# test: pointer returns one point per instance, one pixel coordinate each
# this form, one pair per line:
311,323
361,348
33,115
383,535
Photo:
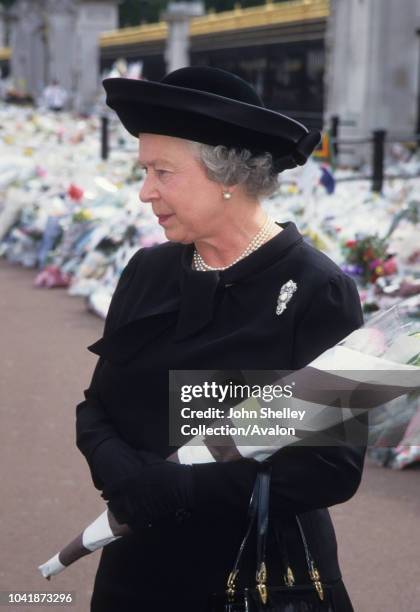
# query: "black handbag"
290,597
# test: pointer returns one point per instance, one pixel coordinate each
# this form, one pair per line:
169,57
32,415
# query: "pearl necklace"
258,240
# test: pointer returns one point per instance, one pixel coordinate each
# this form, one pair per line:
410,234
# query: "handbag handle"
262,529
252,513
259,507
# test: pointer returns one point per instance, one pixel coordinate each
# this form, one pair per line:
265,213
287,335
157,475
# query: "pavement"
45,488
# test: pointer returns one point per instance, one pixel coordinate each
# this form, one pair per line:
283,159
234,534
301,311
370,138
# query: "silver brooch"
285,295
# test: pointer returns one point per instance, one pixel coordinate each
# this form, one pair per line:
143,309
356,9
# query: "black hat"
211,106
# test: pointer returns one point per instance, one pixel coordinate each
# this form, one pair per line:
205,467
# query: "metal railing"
378,141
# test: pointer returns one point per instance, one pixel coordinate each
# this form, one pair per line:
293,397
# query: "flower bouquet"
367,258
364,370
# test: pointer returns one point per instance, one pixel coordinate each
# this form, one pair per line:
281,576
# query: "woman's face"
188,205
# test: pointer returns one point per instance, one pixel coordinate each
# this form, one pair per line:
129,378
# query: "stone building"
372,69
358,59
59,39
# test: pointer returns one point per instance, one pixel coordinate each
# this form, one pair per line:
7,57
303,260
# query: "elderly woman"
208,299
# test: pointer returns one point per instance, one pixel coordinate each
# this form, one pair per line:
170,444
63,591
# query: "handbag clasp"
289,578
230,590
261,580
316,579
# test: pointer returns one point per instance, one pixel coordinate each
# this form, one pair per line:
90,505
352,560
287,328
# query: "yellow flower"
87,214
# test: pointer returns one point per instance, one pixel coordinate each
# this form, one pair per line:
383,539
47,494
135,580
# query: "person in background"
54,96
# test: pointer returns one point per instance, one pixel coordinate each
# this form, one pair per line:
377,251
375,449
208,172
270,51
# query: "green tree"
134,12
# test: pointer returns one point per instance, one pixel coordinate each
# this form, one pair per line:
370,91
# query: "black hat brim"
159,108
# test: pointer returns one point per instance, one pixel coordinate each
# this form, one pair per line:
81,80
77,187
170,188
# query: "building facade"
59,40
312,59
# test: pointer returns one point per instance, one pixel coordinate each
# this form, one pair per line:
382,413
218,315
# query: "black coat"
164,315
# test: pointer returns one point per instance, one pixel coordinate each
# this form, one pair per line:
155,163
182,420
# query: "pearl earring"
227,195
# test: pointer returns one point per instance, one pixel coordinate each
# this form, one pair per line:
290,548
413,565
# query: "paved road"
46,492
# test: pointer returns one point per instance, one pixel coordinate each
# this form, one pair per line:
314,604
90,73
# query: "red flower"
351,243
368,254
75,192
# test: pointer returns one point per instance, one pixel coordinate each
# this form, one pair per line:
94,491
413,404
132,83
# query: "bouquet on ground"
368,259
369,367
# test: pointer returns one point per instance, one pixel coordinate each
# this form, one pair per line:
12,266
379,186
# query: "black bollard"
104,137
378,159
335,122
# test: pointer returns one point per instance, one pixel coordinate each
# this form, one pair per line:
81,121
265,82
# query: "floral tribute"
367,259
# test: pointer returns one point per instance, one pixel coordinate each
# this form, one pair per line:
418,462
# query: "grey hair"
229,166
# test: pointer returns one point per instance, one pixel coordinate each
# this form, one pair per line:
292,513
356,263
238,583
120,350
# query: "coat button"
182,515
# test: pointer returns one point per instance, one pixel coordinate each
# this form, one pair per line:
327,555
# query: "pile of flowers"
78,220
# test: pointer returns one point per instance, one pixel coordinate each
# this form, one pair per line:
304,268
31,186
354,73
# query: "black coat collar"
198,289
190,302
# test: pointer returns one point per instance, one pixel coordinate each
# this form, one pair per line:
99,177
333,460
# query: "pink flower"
390,266
375,263
40,171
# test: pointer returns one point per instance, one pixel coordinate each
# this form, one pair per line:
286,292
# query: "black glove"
158,491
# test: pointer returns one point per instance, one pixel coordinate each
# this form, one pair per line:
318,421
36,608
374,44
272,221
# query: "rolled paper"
189,454
51,567
99,533
104,530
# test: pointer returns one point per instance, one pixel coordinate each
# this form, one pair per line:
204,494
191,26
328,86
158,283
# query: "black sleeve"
108,456
334,312
303,478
